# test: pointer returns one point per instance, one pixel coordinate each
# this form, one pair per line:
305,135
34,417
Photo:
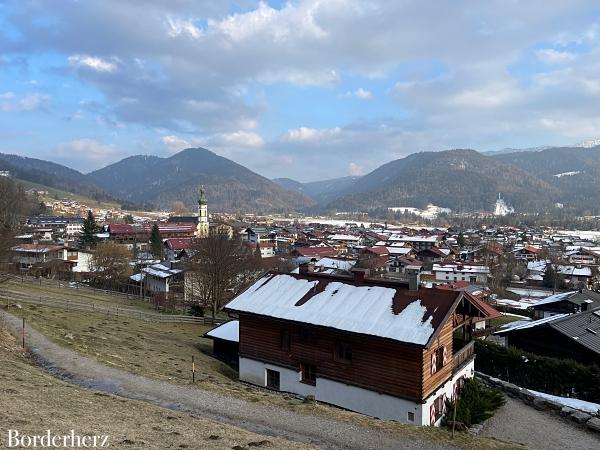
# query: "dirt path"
520,423
267,420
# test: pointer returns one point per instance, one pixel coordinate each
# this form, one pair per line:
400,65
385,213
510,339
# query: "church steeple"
202,228
202,200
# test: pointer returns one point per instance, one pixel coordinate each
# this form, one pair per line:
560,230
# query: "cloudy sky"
308,89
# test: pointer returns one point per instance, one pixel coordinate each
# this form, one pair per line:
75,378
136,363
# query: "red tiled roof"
382,251
312,252
179,244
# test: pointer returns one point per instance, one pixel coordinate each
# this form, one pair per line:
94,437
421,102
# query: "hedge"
562,377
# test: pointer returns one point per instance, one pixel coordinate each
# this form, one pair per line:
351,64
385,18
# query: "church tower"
202,228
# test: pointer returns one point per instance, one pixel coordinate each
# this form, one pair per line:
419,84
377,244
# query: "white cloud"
10,102
175,144
355,170
92,62
305,134
242,138
360,93
487,96
551,56
84,153
181,27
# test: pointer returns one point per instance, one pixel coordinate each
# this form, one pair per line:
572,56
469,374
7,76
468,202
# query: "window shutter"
433,363
444,405
445,355
432,414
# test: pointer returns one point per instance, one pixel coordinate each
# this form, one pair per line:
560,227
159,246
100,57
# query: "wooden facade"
378,364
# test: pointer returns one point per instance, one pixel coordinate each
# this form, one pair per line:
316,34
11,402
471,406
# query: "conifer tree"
156,243
88,238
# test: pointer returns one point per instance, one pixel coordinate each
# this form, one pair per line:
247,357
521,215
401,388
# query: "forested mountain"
573,171
321,192
52,175
463,180
163,181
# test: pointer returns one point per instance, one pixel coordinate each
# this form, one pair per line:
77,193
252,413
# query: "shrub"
475,404
562,377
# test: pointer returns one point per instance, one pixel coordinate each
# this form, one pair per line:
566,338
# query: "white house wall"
350,397
467,372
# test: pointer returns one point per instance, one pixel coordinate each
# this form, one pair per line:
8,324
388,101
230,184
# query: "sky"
306,89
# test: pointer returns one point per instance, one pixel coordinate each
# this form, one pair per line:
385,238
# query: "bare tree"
110,264
220,268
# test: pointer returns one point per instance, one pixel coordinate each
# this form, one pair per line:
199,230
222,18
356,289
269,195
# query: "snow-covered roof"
343,237
340,305
229,331
463,268
339,264
534,323
394,250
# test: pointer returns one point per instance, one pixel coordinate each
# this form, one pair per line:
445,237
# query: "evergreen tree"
549,277
156,243
128,218
460,239
87,239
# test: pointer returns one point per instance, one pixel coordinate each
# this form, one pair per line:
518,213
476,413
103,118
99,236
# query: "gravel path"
519,423
267,420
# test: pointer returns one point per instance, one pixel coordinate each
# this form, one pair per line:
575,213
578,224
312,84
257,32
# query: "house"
565,336
226,341
315,252
461,272
370,346
527,253
158,278
266,249
177,248
256,235
566,303
26,256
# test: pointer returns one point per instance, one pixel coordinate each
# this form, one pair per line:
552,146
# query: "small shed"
226,341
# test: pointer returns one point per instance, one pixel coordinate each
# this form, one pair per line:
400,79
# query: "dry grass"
33,401
164,352
44,291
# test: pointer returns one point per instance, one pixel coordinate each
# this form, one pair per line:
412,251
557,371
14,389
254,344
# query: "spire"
202,200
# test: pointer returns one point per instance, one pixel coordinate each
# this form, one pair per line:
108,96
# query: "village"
334,311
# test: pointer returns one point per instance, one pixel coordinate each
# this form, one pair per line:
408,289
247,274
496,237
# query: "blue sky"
309,89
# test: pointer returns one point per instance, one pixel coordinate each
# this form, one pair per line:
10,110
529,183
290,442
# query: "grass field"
33,401
54,194
503,320
83,295
164,352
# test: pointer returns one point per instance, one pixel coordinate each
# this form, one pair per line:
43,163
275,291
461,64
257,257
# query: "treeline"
561,377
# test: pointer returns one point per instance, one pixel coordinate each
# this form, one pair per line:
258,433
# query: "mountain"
163,181
52,175
463,180
573,171
321,192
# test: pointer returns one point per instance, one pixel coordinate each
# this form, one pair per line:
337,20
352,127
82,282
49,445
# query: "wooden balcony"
463,356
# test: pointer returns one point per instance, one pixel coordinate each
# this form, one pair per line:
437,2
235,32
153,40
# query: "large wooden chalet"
371,346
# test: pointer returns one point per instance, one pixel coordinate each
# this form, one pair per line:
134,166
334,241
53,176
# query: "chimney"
307,267
414,279
360,274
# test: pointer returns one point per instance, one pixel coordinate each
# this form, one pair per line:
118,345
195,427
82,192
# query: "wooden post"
193,370
23,333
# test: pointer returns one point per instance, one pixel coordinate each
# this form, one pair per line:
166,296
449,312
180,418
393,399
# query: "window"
309,374
285,339
273,378
473,279
411,416
439,407
343,352
439,358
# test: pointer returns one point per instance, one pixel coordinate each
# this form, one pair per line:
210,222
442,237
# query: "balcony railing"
463,356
